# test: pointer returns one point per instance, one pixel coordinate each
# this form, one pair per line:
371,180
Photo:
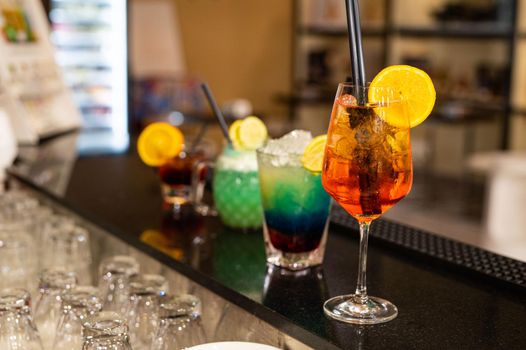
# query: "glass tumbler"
180,323
67,245
296,211
17,330
78,304
53,223
114,281
106,330
176,179
143,308
48,306
15,203
17,262
236,189
30,218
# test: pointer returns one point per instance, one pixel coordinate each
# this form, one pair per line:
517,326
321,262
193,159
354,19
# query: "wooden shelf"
438,117
473,110
466,31
339,31
519,111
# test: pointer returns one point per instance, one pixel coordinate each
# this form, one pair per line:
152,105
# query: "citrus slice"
252,133
416,90
159,142
313,155
233,132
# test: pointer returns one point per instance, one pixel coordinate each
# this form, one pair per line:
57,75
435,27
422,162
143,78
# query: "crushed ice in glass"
286,147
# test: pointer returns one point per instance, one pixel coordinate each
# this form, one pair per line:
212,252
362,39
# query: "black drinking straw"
355,45
368,180
217,112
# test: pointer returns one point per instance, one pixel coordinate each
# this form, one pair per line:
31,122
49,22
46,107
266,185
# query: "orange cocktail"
367,165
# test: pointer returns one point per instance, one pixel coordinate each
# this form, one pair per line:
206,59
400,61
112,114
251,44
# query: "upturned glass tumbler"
17,330
78,304
64,244
180,323
114,281
106,330
142,312
48,307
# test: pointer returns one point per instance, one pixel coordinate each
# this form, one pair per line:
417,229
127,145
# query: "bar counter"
449,295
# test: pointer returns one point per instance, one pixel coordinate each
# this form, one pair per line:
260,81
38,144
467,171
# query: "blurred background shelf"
464,31
468,48
456,31
339,31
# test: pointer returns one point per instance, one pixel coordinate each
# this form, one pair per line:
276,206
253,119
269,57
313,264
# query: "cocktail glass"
176,178
295,206
236,189
367,169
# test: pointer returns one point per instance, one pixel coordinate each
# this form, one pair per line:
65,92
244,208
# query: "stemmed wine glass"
367,169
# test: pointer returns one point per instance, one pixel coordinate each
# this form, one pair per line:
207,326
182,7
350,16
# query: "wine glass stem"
361,289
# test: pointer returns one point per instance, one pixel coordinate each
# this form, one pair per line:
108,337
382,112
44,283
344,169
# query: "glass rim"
394,98
14,298
260,150
119,264
173,306
105,324
366,86
57,278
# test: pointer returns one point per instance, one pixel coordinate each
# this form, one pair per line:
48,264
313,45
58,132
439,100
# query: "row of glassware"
127,309
269,187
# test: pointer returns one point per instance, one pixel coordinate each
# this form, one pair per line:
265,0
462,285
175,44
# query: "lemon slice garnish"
248,134
313,155
233,132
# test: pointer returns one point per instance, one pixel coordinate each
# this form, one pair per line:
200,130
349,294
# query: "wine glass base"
345,308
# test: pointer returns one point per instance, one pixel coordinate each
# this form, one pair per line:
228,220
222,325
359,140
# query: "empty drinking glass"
106,330
64,244
17,330
48,307
17,262
78,304
53,223
15,202
143,308
114,282
180,323
27,218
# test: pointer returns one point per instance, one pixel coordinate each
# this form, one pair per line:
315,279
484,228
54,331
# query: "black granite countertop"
441,306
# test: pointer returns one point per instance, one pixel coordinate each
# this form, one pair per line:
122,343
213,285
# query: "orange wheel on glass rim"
159,142
416,90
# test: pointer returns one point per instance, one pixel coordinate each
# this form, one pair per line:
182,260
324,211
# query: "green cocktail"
236,189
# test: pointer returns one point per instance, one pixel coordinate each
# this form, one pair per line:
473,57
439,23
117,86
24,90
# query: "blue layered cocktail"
295,205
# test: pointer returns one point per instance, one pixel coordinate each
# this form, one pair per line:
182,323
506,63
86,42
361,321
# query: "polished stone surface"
439,306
